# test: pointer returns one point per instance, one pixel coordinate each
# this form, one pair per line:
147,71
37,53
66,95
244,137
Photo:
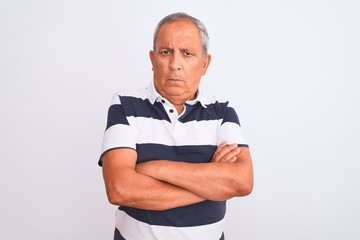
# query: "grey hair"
183,16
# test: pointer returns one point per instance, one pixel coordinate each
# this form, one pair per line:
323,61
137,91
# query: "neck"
179,108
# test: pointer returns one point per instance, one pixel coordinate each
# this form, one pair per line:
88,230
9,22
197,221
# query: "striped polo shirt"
148,123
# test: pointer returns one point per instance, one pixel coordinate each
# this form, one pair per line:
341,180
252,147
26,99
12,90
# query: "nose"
175,62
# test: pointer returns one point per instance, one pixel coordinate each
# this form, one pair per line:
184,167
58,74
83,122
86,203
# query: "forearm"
148,193
212,181
207,180
126,187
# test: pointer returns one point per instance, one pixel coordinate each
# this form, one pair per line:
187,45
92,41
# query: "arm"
125,186
223,178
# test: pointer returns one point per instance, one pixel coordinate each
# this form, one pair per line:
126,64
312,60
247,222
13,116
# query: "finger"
218,150
231,156
221,146
223,151
233,159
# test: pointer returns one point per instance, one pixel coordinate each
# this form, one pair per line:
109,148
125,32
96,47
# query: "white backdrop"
290,67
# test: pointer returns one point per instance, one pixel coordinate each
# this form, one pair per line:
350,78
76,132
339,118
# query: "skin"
178,62
178,65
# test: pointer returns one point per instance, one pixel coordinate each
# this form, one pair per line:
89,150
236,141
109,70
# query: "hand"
226,153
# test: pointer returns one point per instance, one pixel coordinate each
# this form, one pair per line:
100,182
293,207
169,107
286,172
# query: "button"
171,110
162,100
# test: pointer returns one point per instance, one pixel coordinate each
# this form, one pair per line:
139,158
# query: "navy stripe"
197,112
243,145
138,107
192,154
116,116
222,236
202,213
100,160
230,116
117,235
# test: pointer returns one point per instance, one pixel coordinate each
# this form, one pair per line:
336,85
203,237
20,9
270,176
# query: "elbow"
244,188
116,197
237,190
245,184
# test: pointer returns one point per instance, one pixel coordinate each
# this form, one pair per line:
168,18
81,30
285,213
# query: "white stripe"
150,130
118,135
132,229
232,133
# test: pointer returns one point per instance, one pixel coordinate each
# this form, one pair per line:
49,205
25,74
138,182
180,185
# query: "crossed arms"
164,184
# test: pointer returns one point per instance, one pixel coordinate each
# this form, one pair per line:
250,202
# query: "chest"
148,130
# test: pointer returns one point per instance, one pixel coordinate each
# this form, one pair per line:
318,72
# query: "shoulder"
222,108
216,104
211,99
129,95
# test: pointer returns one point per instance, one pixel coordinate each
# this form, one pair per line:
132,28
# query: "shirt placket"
171,111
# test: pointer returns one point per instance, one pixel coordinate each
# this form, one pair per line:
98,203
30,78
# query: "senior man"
171,155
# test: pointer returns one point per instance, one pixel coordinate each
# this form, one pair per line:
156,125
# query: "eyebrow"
181,49
187,50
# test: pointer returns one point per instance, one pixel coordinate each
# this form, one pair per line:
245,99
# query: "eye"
187,53
165,52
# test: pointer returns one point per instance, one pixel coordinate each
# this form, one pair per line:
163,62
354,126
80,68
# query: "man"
171,156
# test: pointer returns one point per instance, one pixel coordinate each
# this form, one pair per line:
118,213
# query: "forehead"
182,32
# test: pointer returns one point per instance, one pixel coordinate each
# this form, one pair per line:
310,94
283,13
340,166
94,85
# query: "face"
178,61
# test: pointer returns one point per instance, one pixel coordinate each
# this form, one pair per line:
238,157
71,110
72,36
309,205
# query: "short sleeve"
230,129
118,133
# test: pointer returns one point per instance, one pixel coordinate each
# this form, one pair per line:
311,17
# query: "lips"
172,78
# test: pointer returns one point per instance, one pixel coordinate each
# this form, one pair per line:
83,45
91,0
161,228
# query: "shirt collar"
154,96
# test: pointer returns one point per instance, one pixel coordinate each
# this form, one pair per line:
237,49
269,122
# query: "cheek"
157,69
160,67
197,71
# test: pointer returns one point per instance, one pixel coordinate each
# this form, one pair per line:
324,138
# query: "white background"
291,68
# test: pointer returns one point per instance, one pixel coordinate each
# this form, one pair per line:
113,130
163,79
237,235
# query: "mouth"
174,79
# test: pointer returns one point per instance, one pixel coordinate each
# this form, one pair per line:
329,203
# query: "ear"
206,63
152,58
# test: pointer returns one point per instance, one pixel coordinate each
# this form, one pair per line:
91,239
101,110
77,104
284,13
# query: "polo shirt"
148,123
